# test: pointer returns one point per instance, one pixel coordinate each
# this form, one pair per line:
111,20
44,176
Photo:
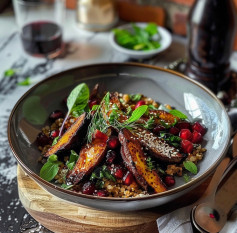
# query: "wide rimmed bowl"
31,112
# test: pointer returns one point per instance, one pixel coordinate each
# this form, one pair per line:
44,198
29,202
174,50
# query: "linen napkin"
178,221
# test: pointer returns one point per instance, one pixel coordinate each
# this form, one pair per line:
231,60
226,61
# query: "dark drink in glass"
42,38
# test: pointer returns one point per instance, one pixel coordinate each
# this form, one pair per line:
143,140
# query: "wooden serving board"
60,216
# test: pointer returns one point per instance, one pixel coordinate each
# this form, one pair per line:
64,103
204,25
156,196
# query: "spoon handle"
226,195
211,189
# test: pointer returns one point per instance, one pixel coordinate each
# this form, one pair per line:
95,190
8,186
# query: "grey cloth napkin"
178,221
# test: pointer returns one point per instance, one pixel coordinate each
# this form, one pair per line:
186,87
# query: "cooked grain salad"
118,145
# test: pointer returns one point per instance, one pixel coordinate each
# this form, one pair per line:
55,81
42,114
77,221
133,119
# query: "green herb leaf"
72,160
65,186
177,113
135,97
137,113
186,178
151,28
53,158
150,164
55,141
139,38
9,72
99,184
95,107
152,107
50,168
190,166
25,82
78,97
150,123
107,174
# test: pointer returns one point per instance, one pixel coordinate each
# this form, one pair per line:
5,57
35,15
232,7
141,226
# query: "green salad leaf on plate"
140,39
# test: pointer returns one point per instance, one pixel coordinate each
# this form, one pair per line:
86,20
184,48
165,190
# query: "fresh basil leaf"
78,97
55,141
9,72
152,107
186,178
72,160
65,186
135,97
25,82
76,113
49,170
137,113
151,28
190,166
53,158
177,113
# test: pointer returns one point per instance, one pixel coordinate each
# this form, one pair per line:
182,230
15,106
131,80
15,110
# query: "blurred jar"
96,15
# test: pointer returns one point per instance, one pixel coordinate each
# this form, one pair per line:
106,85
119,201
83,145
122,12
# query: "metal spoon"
210,212
211,216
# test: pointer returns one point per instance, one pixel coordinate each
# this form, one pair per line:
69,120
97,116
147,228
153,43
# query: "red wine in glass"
42,38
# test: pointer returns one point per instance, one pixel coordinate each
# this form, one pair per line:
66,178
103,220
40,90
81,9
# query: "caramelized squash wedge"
165,116
135,161
90,156
158,147
72,137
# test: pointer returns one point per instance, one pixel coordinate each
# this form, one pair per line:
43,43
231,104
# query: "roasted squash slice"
72,137
165,116
158,147
135,161
90,156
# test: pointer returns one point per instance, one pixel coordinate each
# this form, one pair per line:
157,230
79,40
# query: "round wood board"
60,216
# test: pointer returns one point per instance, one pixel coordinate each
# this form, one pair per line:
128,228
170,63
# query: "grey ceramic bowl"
32,110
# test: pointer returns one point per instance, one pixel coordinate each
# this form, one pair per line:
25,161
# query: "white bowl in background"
165,42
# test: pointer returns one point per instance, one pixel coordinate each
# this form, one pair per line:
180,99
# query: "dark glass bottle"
211,31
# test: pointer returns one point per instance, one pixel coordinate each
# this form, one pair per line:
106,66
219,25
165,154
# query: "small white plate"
165,42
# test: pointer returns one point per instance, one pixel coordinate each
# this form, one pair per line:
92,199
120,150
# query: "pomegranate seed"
54,133
169,181
186,134
118,172
88,188
199,128
113,142
102,193
186,146
174,130
197,137
56,114
183,125
43,140
128,178
99,135
140,103
92,103
158,129
110,156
